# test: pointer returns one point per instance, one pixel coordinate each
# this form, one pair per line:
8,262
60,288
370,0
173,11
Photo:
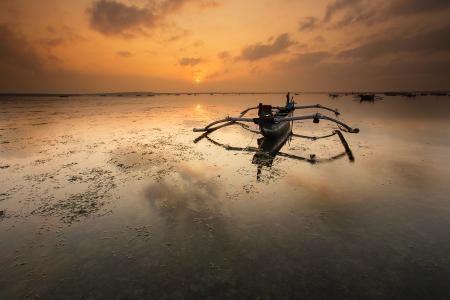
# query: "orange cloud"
190,61
260,50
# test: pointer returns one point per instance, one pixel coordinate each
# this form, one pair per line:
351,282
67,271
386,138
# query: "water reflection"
270,147
162,217
187,196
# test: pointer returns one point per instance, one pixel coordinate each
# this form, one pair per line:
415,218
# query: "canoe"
267,124
275,134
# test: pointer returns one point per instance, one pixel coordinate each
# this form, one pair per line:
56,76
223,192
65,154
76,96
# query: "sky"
224,45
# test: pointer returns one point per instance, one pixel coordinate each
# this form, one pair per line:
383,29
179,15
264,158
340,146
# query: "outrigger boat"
275,125
275,121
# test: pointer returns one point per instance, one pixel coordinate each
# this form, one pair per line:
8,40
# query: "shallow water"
109,197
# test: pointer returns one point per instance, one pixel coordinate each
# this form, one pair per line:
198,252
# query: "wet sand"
109,197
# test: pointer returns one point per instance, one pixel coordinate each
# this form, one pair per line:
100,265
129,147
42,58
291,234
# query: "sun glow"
197,80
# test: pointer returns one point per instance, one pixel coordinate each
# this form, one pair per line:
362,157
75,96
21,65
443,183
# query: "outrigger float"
275,125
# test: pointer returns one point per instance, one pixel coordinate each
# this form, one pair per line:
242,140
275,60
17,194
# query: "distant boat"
368,97
333,95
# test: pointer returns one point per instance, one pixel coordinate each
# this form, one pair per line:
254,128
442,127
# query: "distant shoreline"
153,94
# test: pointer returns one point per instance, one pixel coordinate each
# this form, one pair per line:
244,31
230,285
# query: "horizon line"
150,93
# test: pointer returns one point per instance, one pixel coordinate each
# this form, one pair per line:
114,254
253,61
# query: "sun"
197,80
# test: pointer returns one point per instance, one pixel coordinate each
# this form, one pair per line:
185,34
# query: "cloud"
170,6
311,58
180,35
68,34
16,51
308,23
209,4
394,62
124,54
53,42
190,61
323,72
429,42
115,18
217,74
406,7
348,12
186,196
338,6
58,37
355,11
224,55
260,50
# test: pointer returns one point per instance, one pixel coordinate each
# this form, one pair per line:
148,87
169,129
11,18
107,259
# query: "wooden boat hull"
274,138
275,130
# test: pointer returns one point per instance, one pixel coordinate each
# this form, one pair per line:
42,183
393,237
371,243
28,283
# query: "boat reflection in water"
270,147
